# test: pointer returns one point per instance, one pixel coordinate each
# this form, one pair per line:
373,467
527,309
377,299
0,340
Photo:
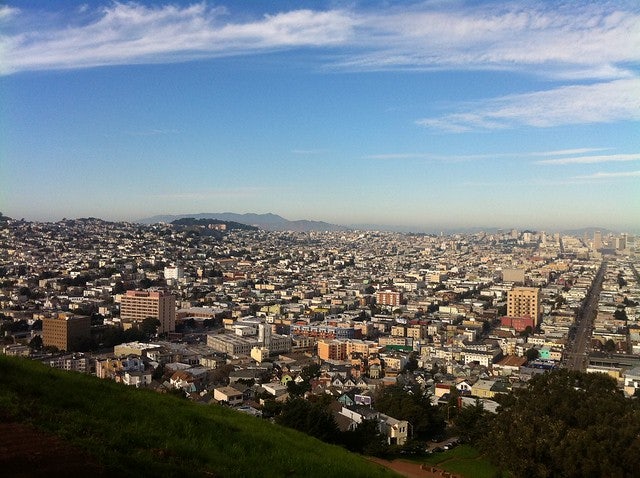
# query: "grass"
464,460
142,433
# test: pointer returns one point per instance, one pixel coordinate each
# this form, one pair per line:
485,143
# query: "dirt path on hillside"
28,452
410,469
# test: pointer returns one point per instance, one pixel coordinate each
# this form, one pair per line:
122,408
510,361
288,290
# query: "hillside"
230,225
130,432
267,222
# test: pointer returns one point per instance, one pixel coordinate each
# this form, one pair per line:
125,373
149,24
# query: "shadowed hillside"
130,432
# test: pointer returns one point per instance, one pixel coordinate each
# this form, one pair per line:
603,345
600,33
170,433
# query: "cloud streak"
473,157
616,175
570,41
565,41
592,159
575,104
129,33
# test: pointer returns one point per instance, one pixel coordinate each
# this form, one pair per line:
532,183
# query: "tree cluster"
313,418
567,424
413,405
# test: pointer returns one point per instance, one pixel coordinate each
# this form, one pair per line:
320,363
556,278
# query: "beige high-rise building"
524,302
597,240
66,332
137,305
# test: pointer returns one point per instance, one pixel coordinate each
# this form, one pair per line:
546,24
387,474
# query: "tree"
565,423
310,372
221,374
527,331
620,314
36,342
609,346
119,288
621,281
413,405
158,372
532,354
296,390
470,422
313,418
412,363
366,439
452,403
149,326
271,408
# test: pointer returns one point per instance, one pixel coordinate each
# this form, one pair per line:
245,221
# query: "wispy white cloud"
563,40
609,158
307,152
568,41
472,157
562,152
616,175
129,33
431,157
7,12
153,132
576,104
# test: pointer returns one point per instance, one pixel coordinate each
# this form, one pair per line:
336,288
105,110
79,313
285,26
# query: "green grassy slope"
143,433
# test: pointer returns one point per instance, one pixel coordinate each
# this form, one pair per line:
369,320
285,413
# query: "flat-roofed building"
332,350
389,297
228,394
524,302
66,332
513,275
137,305
231,344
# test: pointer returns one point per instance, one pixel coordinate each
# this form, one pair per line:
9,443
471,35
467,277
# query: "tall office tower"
621,242
137,305
524,302
597,240
66,332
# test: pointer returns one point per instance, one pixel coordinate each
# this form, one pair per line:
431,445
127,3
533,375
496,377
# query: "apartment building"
137,305
66,332
524,302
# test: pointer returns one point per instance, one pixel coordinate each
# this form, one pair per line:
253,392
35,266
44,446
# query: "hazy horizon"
423,114
402,228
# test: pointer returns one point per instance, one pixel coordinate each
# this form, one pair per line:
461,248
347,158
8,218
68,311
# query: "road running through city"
577,351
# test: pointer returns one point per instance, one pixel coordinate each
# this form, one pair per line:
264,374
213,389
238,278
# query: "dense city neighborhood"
271,322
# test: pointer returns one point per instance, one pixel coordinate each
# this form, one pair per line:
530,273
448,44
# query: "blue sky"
429,114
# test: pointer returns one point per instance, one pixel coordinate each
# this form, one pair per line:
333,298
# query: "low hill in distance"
129,432
267,222
229,225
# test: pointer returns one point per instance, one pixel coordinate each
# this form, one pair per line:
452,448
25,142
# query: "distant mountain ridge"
267,222
274,222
